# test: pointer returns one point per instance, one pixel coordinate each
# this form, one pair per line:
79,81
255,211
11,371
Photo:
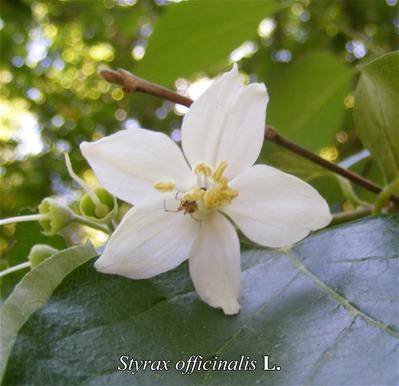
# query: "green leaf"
195,36
33,291
307,98
326,311
376,112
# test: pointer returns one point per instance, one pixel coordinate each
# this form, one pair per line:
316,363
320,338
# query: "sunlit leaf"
307,98
376,111
195,36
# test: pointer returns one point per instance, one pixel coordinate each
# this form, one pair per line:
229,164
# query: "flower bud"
103,211
39,253
56,218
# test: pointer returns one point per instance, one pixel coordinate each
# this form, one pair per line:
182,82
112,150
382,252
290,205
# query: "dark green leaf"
376,111
307,98
196,36
33,291
326,311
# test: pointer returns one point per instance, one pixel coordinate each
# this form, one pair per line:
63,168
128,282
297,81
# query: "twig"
131,83
354,177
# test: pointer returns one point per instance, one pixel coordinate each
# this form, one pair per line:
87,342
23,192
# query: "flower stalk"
85,221
40,217
15,268
131,83
30,217
342,217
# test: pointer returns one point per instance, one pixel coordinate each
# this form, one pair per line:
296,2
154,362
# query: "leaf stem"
15,268
131,83
30,217
84,221
339,218
384,196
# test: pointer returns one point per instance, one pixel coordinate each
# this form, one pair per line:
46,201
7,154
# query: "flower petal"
129,162
214,264
276,209
147,242
226,123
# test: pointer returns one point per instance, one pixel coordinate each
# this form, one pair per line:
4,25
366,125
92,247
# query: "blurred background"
52,98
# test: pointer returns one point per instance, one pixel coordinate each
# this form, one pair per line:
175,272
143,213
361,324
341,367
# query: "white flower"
187,210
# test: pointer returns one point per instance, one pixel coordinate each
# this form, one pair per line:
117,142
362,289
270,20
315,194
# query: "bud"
39,253
103,210
97,204
56,218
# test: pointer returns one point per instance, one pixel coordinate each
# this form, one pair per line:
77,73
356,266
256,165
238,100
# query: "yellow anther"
211,199
164,186
233,193
223,181
203,169
217,175
230,193
211,192
193,195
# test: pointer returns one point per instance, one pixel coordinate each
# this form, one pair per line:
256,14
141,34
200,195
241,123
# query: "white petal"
226,123
129,162
276,209
215,264
147,242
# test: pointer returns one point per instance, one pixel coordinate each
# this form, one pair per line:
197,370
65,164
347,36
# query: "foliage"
35,290
319,310
377,114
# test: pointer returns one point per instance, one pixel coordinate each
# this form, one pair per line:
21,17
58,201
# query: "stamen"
210,192
219,171
194,195
164,186
204,169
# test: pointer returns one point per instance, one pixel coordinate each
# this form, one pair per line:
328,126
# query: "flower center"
210,192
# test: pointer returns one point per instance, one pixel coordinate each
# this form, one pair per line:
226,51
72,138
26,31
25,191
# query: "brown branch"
272,135
131,83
